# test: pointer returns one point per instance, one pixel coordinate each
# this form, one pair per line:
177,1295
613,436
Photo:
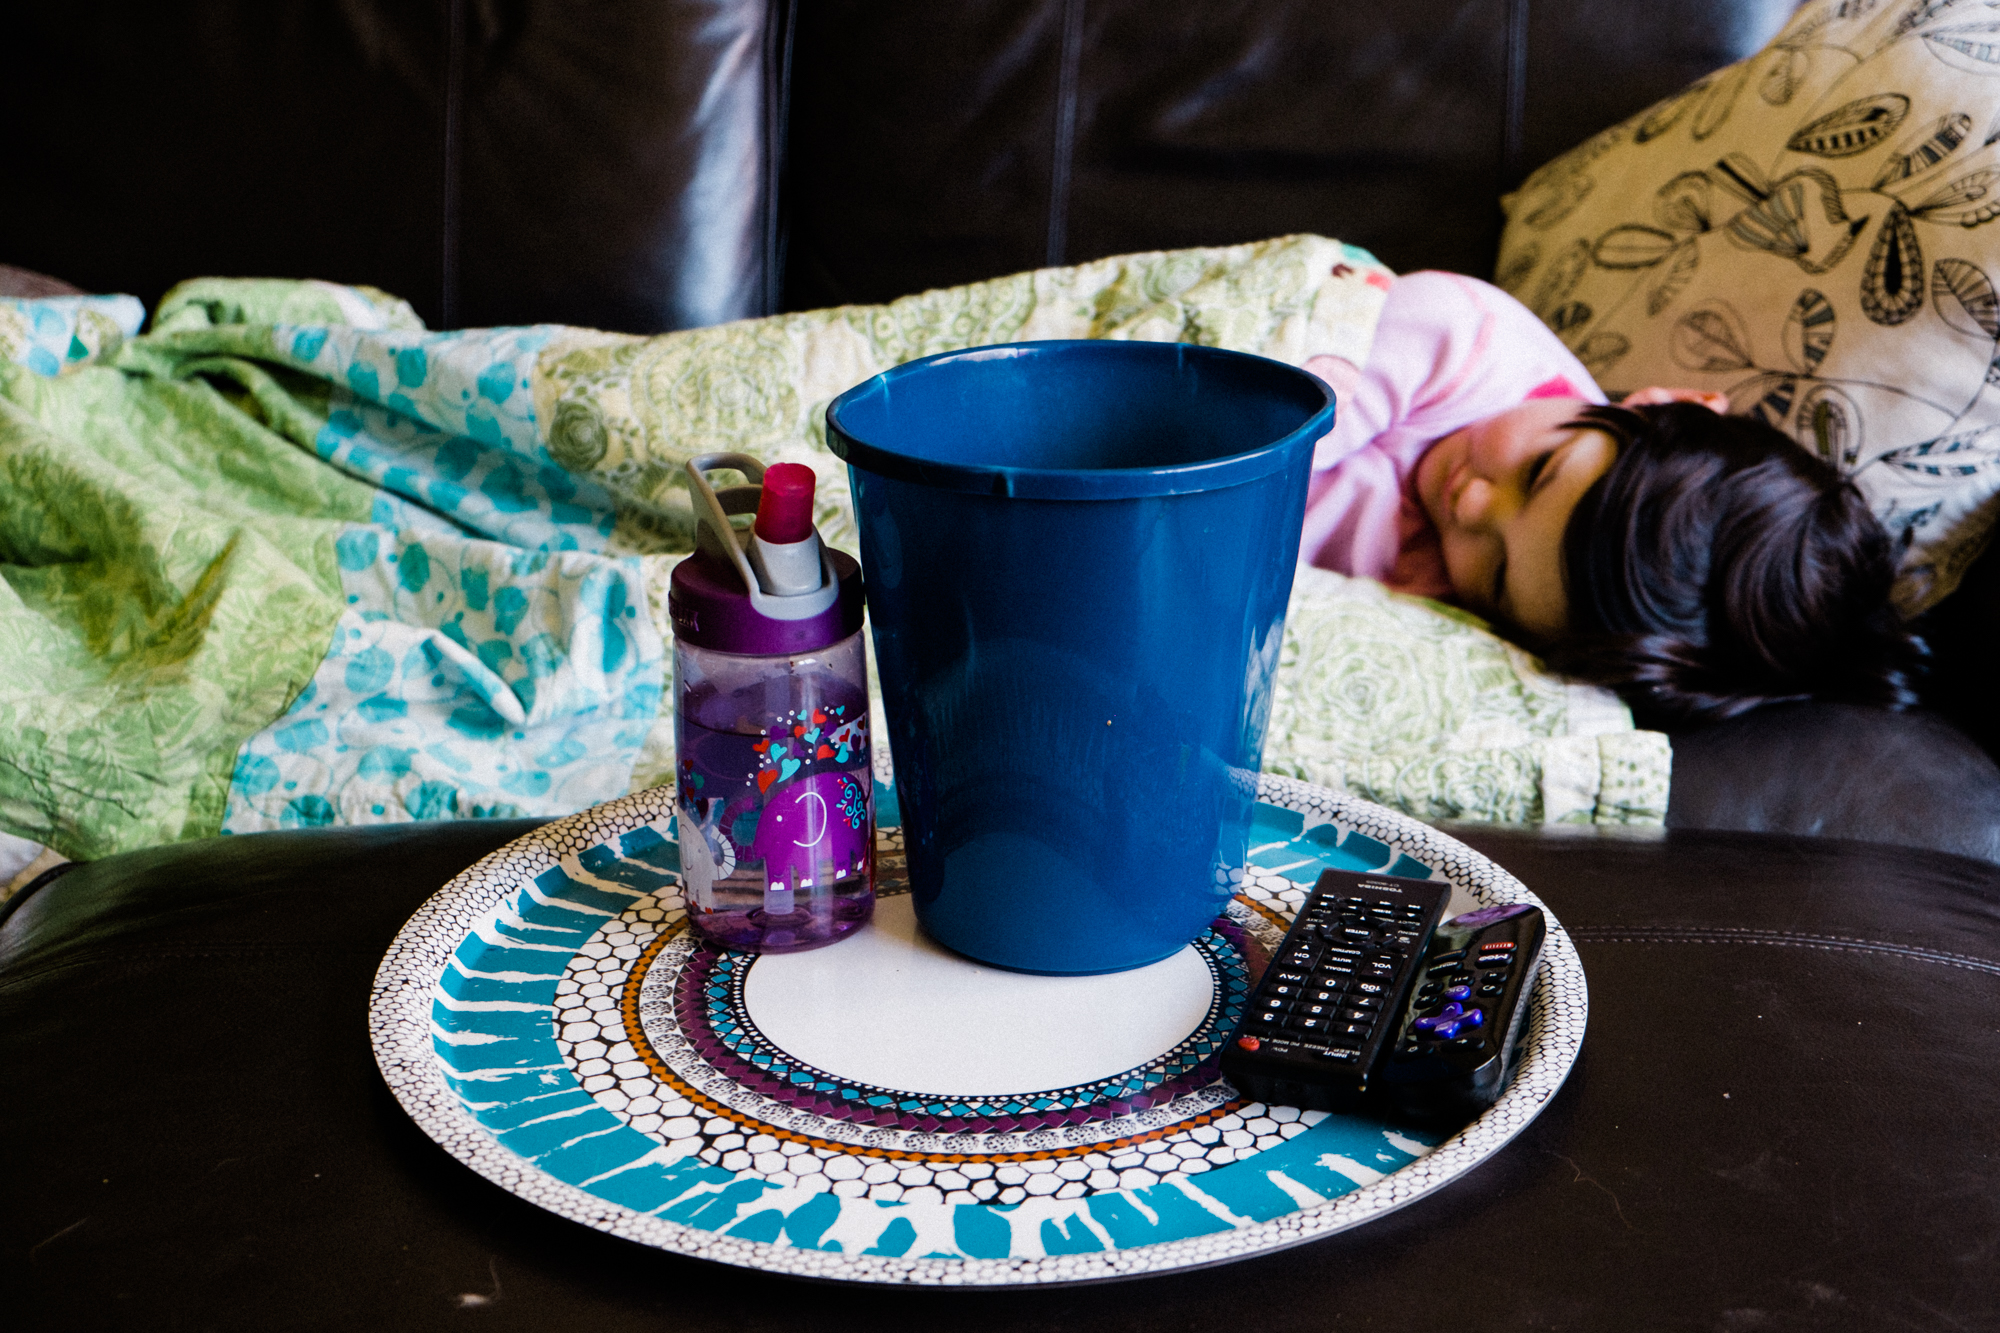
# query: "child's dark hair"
1717,566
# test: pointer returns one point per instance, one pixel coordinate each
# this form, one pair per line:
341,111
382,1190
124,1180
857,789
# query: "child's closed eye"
1538,467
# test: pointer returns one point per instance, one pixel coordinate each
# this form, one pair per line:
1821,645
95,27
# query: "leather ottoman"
1782,1118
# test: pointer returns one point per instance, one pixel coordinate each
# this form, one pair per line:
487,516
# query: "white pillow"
1813,232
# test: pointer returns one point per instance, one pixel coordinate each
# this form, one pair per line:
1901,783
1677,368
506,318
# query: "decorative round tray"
882,1110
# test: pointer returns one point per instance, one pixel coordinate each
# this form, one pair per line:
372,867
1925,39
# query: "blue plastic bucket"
1077,558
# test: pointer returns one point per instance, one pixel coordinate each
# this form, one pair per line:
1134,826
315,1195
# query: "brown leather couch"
646,167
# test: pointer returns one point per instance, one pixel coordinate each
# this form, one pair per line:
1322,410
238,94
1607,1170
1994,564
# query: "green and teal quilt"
288,559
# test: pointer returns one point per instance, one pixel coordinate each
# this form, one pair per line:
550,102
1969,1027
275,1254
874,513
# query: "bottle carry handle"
715,534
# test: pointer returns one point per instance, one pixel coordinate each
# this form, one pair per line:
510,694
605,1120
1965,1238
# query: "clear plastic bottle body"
775,794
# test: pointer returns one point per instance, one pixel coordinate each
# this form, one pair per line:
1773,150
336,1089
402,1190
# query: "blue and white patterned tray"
881,1110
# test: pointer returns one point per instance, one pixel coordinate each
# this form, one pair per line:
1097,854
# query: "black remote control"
1455,1053
1333,999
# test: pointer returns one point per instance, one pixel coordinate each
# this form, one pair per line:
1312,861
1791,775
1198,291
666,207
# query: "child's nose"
1475,502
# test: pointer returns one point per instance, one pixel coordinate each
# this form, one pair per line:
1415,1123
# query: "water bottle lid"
714,596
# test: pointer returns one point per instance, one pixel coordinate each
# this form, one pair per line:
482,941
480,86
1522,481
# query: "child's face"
1501,492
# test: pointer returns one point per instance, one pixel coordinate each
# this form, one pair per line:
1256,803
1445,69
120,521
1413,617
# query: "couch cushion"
996,136
1774,1121
1840,771
538,160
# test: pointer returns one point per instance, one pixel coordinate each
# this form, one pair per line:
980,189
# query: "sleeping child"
1697,563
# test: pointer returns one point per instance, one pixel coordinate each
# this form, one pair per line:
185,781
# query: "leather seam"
449,187
782,21
1783,939
1513,138
1063,152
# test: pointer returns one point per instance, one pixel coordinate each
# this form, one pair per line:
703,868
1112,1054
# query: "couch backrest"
615,162
595,162
939,143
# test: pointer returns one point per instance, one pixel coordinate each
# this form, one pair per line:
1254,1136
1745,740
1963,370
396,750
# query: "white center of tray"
887,1006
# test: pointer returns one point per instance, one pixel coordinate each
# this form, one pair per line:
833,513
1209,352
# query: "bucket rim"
1127,483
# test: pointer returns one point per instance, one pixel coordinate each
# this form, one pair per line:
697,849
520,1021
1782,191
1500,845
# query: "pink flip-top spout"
784,514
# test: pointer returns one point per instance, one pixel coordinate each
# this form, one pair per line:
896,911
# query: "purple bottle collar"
711,609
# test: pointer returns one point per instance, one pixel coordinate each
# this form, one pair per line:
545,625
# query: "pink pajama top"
1449,350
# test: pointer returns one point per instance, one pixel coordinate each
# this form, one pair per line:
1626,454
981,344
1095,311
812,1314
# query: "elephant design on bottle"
812,831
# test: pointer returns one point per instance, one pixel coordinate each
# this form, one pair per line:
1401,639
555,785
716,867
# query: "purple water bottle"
775,795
